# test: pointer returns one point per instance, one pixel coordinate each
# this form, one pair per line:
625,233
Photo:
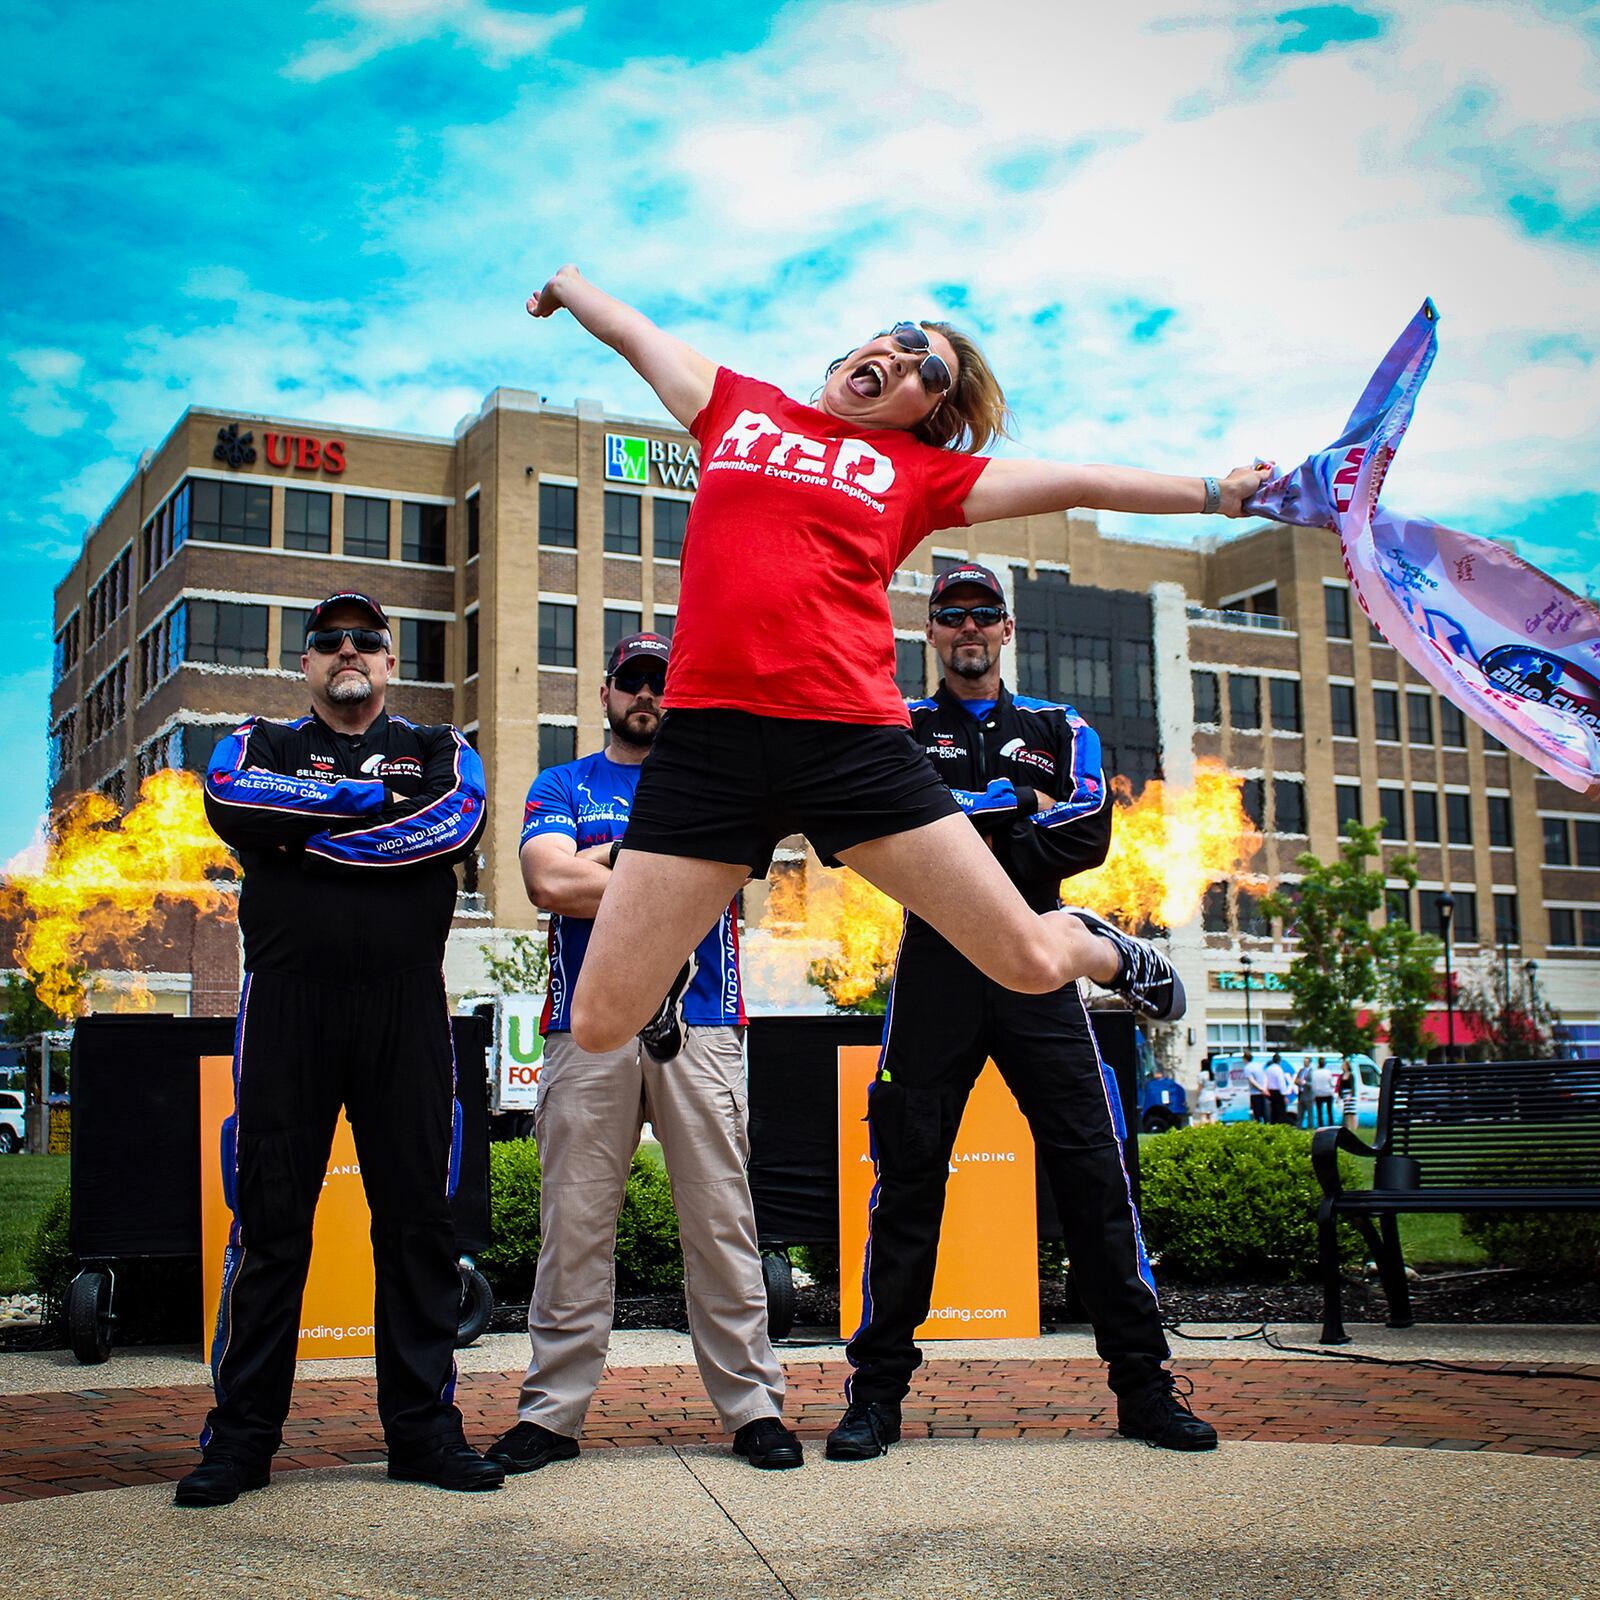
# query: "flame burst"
105,878
1168,846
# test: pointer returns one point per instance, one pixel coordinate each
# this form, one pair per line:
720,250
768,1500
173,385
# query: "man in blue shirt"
684,1075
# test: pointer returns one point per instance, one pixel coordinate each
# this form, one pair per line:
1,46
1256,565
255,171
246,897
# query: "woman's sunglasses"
935,374
326,641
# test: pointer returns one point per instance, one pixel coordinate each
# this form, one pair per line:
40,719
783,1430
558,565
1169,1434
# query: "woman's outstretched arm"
1010,488
681,376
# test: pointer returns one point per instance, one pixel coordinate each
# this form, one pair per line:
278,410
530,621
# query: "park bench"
1452,1137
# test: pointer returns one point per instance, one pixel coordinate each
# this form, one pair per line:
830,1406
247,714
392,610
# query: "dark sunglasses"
327,641
955,616
630,680
936,376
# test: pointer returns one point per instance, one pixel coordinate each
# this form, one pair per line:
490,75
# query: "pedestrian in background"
1349,1090
1276,1083
1322,1082
1302,1094
1255,1077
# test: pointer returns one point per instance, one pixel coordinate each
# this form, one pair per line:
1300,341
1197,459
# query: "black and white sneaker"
1147,980
662,1035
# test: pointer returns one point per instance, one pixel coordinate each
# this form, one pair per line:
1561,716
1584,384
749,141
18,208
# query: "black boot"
1161,1417
867,1429
767,1443
219,1481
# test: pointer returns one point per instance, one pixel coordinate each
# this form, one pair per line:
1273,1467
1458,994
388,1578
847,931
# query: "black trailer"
794,1133
136,1159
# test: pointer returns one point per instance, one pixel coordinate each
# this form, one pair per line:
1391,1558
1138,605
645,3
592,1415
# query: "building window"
106,703
1347,804
1589,928
1214,909
474,526
664,623
472,644
63,746
227,634
1392,810
1490,742
66,652
1557,845
1563,925
1342,709
558,643
1386,716
165,750
1458,818
1085,672
366,526
558,515
230,513
911,668
1374,638
164,534
108,599
1587,835
1397,905
292,625
1288,805
622,523
1207,697
307,520
1244,701
1252,924
1506,923
1425,813
1463,919
1135,688
161,649
558,744
1336,609
1252,796
1419,718
422,650
1285,696
115,785
1452,726
1500,820
422,531
670,520
620,625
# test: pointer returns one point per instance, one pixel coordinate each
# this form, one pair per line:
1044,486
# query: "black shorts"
728,785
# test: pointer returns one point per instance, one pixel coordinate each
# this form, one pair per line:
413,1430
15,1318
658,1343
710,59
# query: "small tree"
26,1014
1407,972
523,969
1515,1023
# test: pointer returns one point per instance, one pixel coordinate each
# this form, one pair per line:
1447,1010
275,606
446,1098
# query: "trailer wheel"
89,1319
477,1306
779,1278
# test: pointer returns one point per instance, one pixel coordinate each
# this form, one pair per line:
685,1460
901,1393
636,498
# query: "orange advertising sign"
986,1285
336,1313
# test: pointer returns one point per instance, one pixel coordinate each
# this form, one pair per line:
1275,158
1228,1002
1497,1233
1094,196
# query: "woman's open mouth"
868,380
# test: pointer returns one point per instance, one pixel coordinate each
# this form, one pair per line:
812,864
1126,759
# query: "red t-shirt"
797,527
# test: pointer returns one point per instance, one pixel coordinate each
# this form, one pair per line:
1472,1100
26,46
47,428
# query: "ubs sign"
629,459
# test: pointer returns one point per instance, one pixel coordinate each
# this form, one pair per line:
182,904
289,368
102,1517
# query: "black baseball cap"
649,645
967,572
346,597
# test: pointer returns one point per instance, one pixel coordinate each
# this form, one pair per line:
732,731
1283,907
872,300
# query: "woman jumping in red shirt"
782,713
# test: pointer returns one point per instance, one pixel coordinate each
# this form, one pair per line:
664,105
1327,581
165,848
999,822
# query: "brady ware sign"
630,457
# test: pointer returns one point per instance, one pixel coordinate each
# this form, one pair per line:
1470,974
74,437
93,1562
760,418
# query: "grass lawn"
27,1183
1437,1241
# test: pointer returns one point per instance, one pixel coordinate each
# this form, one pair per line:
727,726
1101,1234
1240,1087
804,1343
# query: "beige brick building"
511,556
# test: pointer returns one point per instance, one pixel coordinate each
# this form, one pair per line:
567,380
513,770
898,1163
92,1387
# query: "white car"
13,1130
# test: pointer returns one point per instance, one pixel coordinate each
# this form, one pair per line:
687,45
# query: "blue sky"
1184,232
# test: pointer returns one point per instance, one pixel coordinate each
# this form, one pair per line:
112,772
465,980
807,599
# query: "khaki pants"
587,1121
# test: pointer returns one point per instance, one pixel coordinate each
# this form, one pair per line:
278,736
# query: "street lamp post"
1531,968
1447,910
1245,964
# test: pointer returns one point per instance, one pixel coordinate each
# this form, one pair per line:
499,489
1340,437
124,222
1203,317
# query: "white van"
1233,1093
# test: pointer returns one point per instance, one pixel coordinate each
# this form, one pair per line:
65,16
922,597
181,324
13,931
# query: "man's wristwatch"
1213,496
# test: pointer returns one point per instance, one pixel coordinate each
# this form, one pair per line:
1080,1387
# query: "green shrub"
1235,1202
1564,1245
649,1256
49,1256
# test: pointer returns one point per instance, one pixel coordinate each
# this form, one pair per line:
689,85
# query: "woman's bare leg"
655,910
947,875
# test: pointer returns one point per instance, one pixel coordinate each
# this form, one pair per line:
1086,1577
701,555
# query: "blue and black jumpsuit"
348,844
946,1018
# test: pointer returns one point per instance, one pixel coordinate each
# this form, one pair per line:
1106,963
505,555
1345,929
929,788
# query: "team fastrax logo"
1016,750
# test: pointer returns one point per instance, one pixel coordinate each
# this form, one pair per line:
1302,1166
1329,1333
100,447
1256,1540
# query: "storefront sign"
629,459
986,1284
336,1313
1273,981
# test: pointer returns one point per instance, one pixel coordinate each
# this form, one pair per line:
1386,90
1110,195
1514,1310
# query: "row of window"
1386,718
1288,804
1338,611
1244,701
1575,927
1092,675
623,516
106,703
558,631
66,650
108,599
241,513
1425,815
1571,842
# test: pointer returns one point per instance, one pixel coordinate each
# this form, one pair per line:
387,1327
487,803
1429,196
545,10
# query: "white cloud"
41,404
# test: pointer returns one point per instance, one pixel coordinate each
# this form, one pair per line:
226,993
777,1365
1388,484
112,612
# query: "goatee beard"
348,691
970,666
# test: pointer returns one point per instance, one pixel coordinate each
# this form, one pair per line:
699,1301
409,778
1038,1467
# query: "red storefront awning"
1468,1029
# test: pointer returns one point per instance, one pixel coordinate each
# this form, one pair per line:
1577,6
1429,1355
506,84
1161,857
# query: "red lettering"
278,446
308,455
333,456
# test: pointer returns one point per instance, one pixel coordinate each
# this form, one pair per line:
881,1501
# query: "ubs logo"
233,448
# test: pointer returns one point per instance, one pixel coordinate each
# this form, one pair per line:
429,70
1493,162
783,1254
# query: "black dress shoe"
867,1429
219,1481
527,1447
767,1443
1161,1417
449,1466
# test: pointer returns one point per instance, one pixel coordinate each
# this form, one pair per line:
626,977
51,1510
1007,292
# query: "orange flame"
104,879
1167,848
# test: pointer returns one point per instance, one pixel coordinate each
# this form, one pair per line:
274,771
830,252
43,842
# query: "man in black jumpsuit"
1028,774
347,823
